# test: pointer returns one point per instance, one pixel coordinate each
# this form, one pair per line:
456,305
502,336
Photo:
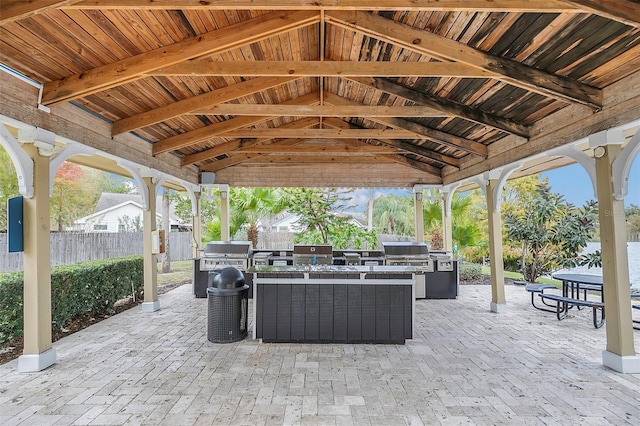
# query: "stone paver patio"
465,365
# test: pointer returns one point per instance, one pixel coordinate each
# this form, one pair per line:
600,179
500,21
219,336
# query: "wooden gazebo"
409,93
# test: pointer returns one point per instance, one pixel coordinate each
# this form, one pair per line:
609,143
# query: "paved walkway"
466,365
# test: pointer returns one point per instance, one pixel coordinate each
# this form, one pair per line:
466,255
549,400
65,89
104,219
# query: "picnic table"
572,284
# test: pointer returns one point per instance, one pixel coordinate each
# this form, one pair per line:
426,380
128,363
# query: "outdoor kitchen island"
333,303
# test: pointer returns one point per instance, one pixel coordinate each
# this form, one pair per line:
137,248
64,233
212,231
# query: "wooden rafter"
195,103
135,67
550,6
445,105
15,10
419,131
445,160
325,110
625,11
333,148
218,150
207,67
279,132
203,133
427,168
403,146
445,49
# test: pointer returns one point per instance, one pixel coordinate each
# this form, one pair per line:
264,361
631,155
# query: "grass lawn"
518,276
181,271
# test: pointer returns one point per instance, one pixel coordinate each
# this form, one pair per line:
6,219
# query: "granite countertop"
331,269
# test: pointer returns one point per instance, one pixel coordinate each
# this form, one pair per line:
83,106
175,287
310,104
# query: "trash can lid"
229,277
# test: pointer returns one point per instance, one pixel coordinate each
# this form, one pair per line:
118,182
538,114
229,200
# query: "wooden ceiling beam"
207,67
325,110
445,160
438,5
279,132
445,49
445,105
404,146
15,10
419,131
194,103
302,148
625,11
135,67
235,159
322,158
203,133
227,148
427,168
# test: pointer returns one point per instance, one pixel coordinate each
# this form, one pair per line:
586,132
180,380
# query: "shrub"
89,287
469,271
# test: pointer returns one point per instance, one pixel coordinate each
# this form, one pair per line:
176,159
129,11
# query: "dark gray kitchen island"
333,304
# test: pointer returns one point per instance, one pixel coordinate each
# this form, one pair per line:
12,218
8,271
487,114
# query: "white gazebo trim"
21,161
622,166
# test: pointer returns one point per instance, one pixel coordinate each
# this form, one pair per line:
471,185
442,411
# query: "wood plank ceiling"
298,93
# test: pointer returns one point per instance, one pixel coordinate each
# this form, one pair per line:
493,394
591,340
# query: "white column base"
32,363
623,364
498,308
151,306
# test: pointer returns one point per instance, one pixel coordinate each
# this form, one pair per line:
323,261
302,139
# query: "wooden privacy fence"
72,247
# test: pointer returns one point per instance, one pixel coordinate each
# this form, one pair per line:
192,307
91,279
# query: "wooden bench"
539,289
564,303
636,321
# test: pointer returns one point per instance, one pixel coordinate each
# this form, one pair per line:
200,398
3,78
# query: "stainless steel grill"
443,261
312,255
399,253
220,254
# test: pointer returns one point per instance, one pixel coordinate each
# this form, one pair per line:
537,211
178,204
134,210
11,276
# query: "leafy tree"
254,204
632,214
552,231
129,224
393,214
115,184
8,185
465,229
320,222
209,207
72,197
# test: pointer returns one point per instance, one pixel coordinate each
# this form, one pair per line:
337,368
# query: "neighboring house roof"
112,208
112,201
109,199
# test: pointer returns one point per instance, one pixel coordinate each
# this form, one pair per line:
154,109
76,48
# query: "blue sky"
570,181
573,183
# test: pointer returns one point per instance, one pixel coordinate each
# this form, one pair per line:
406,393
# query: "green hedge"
89,287
469,271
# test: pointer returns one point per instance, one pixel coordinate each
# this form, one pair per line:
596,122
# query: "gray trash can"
228,305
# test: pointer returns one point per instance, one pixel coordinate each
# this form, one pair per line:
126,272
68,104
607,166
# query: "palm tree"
393,214
253,204
465,232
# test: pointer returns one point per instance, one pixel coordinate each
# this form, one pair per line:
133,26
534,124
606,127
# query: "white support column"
498,300
620,353
418,213
224,213
151,302
38,348
447,221
492,184
196,225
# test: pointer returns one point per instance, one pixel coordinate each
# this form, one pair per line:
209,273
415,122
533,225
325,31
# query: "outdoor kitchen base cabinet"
341,308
